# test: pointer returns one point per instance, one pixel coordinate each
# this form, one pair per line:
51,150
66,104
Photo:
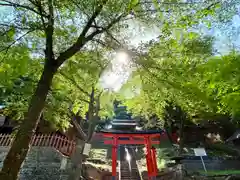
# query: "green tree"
47,25
168,70
79,79
19,75
202,85
168,75
62,29
76,98
220,79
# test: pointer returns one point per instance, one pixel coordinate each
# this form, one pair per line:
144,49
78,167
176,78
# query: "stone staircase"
129,170
129,173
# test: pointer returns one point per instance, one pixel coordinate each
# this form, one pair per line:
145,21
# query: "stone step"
126,173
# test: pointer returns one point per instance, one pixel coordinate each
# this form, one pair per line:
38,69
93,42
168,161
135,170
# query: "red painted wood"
131,135
47,140
68,146
129,142
147,140
60,143
44,140
5,140
41,140
114,156
1,139
57,142
33,140
154,160
51,141
149,156
8,140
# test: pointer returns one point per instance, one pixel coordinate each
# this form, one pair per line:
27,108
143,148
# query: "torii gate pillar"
146,139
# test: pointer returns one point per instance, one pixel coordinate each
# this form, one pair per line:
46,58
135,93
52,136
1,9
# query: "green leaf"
24,19
11,32
134,2
192,35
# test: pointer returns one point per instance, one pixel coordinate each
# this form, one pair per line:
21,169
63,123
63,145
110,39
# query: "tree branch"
19,38
211,5
111,36
104,44
174,3
91,127
81,41
170,10
84,100
92,100
66,98
76,124
95,118
81,9
99,41
41,10
34,3
74,83
116,20
16,5
16,27
79,128
49,55
91,115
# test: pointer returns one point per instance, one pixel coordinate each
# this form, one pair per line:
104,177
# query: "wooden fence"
58,142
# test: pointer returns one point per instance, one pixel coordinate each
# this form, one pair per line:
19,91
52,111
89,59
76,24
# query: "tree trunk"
21,143
78,157
181,134
91,129
168,128
77,160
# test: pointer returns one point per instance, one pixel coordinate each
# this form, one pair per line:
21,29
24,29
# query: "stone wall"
42,163
196,165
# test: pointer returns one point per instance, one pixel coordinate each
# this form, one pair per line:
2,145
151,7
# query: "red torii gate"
147,138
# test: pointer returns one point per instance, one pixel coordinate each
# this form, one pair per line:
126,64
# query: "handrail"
119,169
139,172
58,142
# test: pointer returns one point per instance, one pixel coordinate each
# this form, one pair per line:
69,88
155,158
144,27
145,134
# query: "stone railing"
58,142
